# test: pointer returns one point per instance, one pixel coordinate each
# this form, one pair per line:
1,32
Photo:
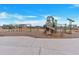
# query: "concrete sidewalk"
22,45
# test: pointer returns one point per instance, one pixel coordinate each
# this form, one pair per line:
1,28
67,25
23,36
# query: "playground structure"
51,26
70,25
51,29
16,28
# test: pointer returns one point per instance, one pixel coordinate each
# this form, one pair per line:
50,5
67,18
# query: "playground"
39,34
51,39
51,29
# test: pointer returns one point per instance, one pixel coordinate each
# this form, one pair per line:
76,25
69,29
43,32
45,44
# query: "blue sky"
36,14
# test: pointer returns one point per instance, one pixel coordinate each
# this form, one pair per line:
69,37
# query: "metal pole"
70,27
65,28
30,28
55,26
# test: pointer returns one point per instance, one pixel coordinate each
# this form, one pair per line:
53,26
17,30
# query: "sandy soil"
37,33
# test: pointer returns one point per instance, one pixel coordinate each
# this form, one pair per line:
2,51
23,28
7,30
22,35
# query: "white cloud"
20,19
31,16
33,23
18,16
74,6
15,18
4,15
60,19
45,16
40,22
55,17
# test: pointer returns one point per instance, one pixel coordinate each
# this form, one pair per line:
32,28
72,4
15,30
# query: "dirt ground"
37,33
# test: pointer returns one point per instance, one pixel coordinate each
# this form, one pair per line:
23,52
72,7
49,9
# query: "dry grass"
37,33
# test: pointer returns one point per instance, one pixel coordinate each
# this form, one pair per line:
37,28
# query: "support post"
70,25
